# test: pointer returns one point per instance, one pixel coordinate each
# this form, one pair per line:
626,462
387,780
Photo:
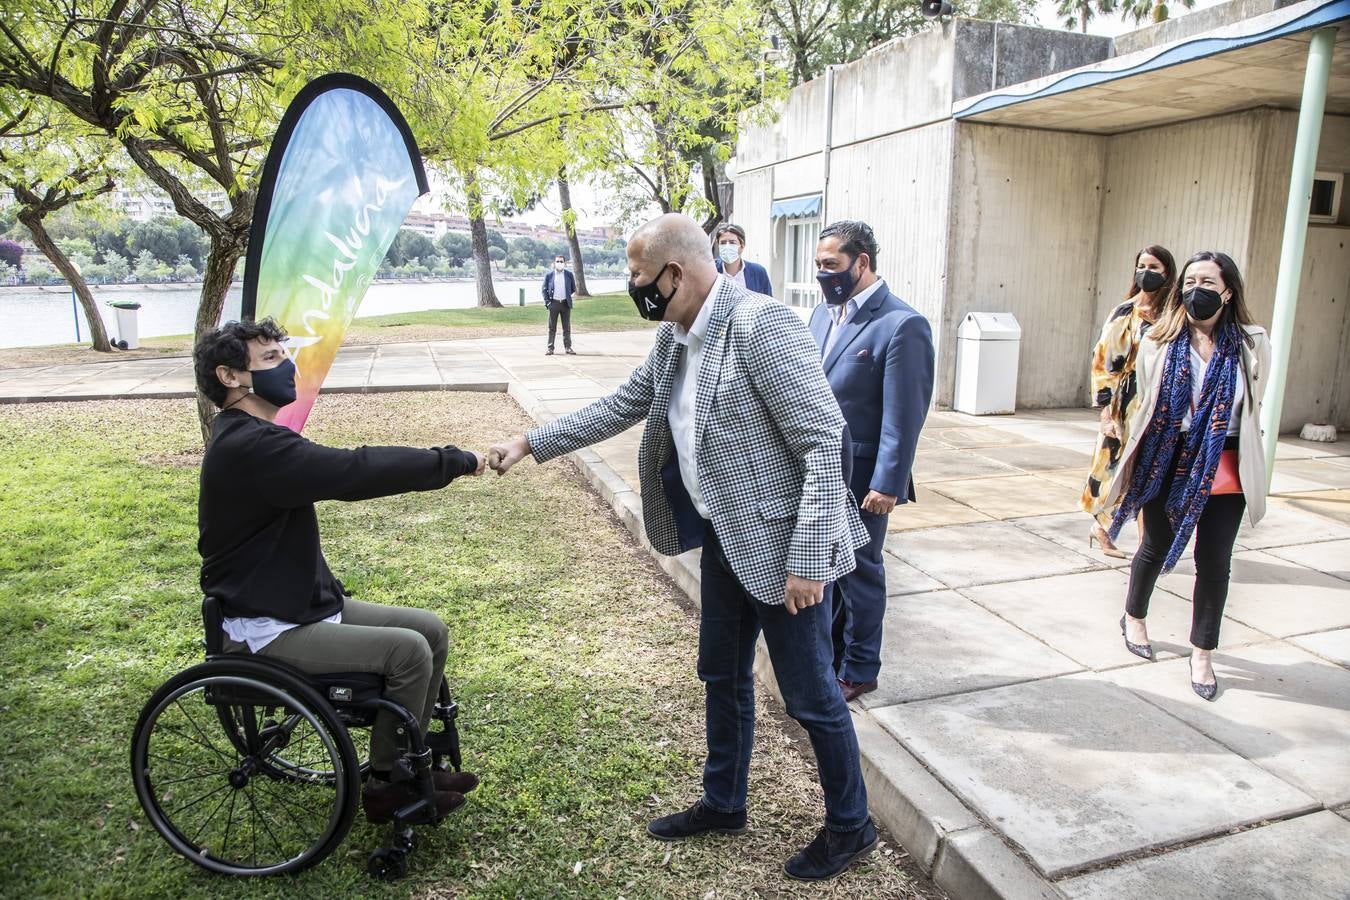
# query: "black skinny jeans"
1215,533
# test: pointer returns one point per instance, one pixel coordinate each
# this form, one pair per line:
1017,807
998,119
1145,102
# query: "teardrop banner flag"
339,180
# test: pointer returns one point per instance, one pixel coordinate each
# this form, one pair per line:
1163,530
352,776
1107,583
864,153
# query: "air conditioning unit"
1326,197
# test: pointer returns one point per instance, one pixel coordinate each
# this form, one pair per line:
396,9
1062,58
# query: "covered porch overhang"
1253,63
1293,58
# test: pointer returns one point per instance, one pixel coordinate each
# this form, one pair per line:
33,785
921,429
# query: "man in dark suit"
740,454
877,352
729,248
559,286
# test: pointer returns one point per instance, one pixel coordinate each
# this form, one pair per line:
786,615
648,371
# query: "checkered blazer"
768,444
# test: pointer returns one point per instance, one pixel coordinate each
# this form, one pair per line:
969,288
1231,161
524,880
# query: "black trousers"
1215,533
558,309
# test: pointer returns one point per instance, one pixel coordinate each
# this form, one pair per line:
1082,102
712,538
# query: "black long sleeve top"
259,534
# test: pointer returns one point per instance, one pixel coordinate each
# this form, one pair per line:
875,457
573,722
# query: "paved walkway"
1014,746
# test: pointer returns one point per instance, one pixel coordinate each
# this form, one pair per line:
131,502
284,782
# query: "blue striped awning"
796,208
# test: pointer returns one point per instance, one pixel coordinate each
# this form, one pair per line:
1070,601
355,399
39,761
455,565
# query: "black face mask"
1202,303
1149,280
277,384
837,286
651,305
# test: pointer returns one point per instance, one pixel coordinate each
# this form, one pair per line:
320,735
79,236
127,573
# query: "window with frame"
800,287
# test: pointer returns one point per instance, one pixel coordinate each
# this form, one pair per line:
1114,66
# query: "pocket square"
865,352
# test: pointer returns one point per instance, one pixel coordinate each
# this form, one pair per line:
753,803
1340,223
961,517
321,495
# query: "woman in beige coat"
1195,458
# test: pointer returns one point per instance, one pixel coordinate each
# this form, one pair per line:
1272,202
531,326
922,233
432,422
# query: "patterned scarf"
1203,442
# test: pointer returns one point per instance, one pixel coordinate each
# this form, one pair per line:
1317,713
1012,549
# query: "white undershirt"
259,631
684,398
1198,367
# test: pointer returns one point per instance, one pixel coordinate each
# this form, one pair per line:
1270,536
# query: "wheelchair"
246,766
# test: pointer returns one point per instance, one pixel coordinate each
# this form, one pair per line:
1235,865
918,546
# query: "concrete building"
1007,168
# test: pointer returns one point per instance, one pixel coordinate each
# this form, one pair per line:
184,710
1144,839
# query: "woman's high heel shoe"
1144,650
1205,691
1098,534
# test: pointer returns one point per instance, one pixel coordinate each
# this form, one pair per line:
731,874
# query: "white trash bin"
986,363
128,336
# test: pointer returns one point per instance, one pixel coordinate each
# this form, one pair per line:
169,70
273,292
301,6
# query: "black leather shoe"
831,853
697,819
852,690
1144,650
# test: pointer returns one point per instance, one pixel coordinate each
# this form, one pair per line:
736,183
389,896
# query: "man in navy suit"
729,248
559,286
877,352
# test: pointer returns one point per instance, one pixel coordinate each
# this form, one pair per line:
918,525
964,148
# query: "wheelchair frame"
280,731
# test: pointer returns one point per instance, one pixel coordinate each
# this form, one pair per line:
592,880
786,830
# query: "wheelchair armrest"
212,619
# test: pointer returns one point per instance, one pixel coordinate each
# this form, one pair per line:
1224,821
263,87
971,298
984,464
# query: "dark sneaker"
381,799
459,782
831,853
697,819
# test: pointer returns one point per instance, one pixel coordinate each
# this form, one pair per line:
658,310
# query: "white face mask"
729,253
559,266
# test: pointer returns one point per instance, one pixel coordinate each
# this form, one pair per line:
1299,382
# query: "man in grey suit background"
741,455
877,352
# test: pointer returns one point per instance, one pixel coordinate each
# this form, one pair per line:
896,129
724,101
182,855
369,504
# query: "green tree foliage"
495,239
455,247
167,239
1153,10
1078,13
816,33
410,245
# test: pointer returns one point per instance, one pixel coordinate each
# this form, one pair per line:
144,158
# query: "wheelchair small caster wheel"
387,864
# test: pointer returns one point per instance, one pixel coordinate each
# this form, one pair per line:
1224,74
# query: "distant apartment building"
143,205
434,225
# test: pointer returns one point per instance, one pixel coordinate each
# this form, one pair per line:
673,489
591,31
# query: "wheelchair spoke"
205,742
206,796
229,822
268,828
290,805
196,838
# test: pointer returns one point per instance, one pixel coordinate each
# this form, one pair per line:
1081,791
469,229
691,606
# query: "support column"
1310,113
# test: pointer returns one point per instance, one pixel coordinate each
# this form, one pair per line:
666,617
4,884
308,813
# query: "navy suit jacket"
881,371
756,278
569,286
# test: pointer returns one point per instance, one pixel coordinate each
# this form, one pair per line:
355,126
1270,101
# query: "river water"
33,316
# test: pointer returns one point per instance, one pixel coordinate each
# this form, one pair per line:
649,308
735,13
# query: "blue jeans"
801,651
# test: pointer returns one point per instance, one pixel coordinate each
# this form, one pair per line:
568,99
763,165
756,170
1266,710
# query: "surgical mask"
837,286
728,253
275,385
558,267
1202,303
1149,280
651,305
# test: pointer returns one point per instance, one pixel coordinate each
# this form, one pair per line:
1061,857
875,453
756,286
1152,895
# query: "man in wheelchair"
261,558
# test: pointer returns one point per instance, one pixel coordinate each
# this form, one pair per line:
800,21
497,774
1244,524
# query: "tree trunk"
712,193
487,296
33,222
216,279
569,224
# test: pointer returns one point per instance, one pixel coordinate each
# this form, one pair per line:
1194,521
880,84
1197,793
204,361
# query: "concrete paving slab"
984,553
1289,448
966,438
931,510
976,863
1305,857
1282,483
1074,477
940,643
1330,475
1330,645
1274,595
946,465
1334,505
1330,557
1039,457
1078,771
1015,495
902,578
951,419
1050,433
1070,530
1317,448
1278,706
1079,616
1283,526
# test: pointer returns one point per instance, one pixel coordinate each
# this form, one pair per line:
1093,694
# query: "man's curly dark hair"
228,346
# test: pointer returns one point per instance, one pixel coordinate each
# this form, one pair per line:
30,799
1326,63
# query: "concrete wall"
1025,211
992,55
1316,389
1188,24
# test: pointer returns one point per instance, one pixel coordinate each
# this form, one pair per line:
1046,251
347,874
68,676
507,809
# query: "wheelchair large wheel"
275,790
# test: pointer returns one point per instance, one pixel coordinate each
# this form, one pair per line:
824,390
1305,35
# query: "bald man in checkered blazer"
741,455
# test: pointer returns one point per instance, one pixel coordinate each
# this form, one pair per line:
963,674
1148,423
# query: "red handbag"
1226,480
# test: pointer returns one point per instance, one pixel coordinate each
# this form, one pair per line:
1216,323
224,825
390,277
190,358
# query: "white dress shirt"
739,277
684,398
259,631
842,313
1198,368
559,284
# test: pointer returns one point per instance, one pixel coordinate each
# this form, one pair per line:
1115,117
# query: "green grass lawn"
604,312
571,657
